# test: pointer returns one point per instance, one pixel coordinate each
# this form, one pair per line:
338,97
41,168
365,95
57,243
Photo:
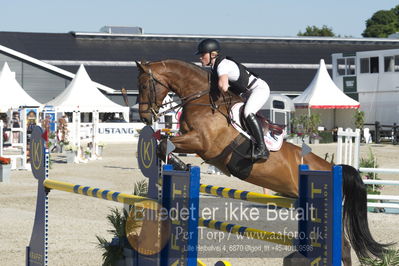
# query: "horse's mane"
183,64
200,72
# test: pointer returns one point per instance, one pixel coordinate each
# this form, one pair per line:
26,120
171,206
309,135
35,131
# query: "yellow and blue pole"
231,193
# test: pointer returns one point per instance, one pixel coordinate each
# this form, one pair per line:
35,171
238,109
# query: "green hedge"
326,136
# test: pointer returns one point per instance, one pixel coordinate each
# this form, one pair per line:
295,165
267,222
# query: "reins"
185,101
153,100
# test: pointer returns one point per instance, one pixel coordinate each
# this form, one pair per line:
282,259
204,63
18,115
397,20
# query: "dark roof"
105,47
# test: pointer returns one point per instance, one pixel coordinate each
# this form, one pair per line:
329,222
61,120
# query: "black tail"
355,215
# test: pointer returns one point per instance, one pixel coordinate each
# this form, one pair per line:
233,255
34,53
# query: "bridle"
153,106
152,99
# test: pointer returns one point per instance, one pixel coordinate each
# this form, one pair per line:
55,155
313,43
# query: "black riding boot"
260,150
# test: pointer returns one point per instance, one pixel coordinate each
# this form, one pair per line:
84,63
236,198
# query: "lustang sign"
111,130
118,131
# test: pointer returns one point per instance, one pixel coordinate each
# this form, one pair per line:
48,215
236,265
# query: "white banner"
119,132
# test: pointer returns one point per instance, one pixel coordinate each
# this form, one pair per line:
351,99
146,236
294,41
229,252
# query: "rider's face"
205,59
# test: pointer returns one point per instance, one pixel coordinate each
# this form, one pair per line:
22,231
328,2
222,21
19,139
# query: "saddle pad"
273,142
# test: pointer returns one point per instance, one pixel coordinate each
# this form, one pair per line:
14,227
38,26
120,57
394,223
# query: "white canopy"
322,93
82,95
12,94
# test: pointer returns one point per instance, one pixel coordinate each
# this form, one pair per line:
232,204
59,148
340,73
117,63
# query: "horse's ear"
141,66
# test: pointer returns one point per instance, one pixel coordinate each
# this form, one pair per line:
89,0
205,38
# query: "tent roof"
322,93
12,94
82,95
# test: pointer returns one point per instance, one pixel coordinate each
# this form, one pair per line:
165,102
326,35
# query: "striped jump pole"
99,193
248,196
247,232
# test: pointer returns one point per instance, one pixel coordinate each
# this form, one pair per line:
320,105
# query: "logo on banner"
147,153
37,147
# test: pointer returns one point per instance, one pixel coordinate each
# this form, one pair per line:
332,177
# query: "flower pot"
5,173
70,156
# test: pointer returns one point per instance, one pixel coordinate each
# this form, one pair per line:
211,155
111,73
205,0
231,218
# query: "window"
374,67
391,63
369,65
278,104
364,65
346,66
388,63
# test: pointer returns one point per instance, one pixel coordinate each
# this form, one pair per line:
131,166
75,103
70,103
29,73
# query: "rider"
236,77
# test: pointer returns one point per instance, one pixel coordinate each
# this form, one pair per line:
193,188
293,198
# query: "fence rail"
383,205
380,182
382,197
348,152
380,131
379,170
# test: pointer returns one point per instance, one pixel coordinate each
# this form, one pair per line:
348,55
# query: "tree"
316,31
382,23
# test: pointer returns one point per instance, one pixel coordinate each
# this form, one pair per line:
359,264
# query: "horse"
206,131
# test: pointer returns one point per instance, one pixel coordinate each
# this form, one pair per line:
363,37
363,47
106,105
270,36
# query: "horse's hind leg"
346,251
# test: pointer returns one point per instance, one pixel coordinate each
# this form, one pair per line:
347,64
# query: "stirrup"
260,155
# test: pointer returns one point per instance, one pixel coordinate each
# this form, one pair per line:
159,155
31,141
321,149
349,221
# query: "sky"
208,17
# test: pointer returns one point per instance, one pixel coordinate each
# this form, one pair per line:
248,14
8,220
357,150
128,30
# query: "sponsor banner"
119,132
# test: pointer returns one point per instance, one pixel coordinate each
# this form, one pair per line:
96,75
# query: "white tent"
12,94
321,96
82,95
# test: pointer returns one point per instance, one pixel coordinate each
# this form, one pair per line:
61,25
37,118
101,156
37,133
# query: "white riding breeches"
256,97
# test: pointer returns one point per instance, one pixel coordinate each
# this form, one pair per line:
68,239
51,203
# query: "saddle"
274,133
240,148
266,124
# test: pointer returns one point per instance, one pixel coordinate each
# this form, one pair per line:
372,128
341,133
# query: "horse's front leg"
186,143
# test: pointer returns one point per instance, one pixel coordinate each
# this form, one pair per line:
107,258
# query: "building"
45,63
372,77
